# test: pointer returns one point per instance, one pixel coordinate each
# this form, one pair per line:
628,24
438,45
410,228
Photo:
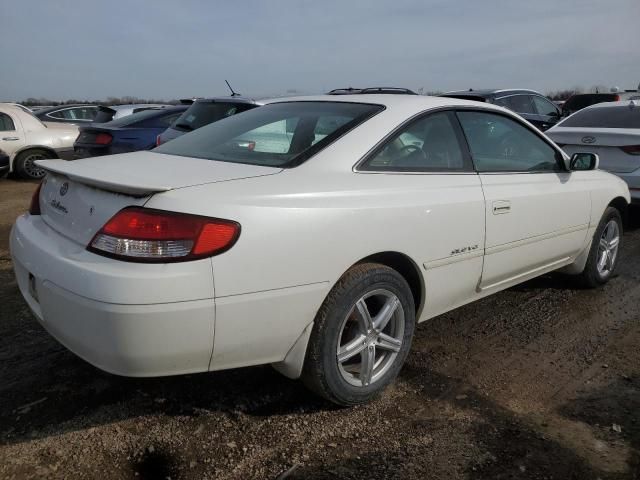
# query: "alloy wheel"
371,336
608,248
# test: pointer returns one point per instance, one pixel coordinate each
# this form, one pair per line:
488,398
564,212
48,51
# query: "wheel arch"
26,149
405,266
621,204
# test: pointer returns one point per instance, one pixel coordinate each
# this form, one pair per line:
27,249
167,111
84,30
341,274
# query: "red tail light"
158,141
631,149
34,208
103,139
145,235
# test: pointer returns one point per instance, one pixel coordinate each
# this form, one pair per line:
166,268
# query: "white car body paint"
302,229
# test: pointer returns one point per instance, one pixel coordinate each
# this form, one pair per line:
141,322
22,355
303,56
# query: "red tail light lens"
103,139
34,208
158,141
145,235
631,149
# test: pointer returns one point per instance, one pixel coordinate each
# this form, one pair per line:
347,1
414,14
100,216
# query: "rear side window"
202,113
605,117
276,135
430,143
500,144
517,103
6,123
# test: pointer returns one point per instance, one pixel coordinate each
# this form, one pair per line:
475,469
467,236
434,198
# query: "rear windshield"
276,135
578,102
605,117
134,118
201,113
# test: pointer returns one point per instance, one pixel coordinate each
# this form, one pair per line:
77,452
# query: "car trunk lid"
78,197
606,142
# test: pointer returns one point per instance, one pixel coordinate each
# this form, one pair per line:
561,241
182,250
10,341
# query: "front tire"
25,166
361,335
604,253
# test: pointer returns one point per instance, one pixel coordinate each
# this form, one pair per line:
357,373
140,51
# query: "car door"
548,112
12,137
426,164
537,213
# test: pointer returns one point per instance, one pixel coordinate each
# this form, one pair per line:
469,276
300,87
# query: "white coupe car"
311,233
612,130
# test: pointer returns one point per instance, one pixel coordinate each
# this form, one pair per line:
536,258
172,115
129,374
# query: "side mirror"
584,161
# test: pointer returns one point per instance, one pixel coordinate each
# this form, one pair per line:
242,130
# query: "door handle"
10,139
501,206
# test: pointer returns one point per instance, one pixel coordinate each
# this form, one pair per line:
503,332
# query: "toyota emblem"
588,139
64,189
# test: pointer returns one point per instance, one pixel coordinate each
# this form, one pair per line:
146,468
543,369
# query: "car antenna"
233,94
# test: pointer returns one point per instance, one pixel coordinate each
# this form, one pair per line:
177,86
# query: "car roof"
61,107
489,92
138,105
410,104
236,99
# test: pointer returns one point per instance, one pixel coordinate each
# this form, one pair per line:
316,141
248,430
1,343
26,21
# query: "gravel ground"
541,381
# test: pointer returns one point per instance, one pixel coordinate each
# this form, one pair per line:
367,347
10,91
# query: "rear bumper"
4,165
134,336
149,320
65,153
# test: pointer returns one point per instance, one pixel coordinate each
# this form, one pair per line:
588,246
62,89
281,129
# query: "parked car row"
126,128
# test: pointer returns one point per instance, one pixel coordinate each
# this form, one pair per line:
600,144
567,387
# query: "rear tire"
361,335
25,166
605,249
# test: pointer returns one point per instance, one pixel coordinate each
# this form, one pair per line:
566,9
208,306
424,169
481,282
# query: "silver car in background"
612,130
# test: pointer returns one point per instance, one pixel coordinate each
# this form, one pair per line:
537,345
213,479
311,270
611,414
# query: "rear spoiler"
90,175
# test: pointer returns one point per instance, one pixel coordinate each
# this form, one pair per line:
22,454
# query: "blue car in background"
138,131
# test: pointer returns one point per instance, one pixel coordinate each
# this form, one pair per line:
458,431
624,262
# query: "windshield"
605,117
202,113
277,135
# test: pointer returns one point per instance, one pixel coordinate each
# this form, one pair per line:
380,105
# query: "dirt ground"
539,382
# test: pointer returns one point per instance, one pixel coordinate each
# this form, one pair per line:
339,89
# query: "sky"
90,49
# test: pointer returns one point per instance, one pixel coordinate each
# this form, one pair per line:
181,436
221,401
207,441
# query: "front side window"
544,106
517,103
275,135
605,117
6,123
427,144
500,144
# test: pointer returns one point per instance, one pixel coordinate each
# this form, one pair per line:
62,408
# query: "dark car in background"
134,132
205,111
78,113
529,104
583,100
114,112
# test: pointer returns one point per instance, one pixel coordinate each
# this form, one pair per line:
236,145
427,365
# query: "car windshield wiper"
183,126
